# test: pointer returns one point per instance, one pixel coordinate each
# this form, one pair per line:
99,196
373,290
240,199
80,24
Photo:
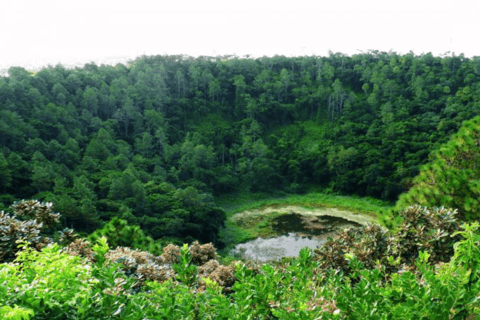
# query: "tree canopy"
452,179
152,142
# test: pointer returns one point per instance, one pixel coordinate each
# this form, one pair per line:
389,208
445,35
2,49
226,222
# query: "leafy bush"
47,282
119,233
31,221
441,291
201,254
15,313
51,284
174,263
36,210
428,268
423,229
143,264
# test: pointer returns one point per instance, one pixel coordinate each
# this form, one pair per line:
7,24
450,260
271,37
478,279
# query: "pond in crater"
294,231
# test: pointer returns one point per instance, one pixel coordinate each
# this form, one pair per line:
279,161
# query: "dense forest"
127,163
153,142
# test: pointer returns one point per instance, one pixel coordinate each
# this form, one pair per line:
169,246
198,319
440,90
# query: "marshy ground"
283,231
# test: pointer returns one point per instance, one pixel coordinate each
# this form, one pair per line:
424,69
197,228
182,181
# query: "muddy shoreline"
332,212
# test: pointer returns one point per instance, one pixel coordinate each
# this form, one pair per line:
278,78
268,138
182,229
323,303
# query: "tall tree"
452,178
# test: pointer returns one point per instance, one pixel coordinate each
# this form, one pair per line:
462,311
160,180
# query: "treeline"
152,142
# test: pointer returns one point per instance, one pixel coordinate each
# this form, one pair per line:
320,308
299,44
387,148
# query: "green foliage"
452,178
100,249
15,313
186,271
48,282
373,100
119,233
182,213
5,173
441,291
52,284
428,230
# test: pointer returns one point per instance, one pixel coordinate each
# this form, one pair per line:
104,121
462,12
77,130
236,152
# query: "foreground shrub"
201,254
223,276
427,268
190,264
442,291
31,221
143,265
15,313
430,230
48,283
120,234
54,285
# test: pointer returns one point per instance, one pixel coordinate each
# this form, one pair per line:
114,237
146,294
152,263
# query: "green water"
295,231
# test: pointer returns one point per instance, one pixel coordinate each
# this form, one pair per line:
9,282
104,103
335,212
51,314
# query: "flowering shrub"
201,254
431,230
30,222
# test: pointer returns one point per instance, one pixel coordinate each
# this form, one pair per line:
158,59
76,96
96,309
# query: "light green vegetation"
235,203
257,225
297,289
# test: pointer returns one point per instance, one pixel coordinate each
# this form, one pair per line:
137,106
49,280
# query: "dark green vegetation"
151,142
135,155
452,179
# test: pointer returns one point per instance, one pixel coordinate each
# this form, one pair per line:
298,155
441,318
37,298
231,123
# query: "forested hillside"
154,141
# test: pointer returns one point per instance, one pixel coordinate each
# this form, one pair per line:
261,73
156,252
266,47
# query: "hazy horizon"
37,34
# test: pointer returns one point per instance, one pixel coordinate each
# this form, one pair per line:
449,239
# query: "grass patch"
235,203
239,231
260,225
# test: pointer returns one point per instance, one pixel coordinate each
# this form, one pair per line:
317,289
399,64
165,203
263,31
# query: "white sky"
35,33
